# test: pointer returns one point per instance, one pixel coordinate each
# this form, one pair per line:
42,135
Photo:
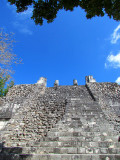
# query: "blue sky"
69,48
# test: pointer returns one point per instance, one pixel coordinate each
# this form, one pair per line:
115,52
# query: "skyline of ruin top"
43,81
88,79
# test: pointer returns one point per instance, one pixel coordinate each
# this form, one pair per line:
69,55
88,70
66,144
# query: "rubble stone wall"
36,109
35,113
108,96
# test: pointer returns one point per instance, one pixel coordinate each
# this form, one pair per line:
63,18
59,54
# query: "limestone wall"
36,109
35,115
108,96
18,93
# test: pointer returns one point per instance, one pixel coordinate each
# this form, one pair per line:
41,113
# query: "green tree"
4,85
48,9
7,58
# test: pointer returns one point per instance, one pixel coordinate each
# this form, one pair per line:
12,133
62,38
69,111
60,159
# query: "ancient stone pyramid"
79,122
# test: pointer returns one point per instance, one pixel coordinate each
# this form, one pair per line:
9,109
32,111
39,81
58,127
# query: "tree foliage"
4,85
48,9
7,58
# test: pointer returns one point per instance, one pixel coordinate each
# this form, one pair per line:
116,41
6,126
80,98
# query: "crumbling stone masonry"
79,122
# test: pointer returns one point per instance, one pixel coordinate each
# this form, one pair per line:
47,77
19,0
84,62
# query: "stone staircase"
82,134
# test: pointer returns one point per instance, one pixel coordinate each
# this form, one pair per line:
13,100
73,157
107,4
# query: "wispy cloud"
116,35
118,80
22,28
26,15
113,61
26,31
22,21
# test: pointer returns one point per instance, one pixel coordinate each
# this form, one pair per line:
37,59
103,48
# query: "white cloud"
113,61
10,6
24,16
22,28
27,13
118,80
23,22
26,31
116,35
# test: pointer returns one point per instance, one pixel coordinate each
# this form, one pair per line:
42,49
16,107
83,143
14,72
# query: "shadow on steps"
12,153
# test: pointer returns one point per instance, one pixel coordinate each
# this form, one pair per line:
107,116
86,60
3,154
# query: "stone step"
62,150
82,129
71,143
80,98
83,138
73,150
81,108
80,111
69,157
83,143
91,122
67,150
84,113
80,103
78,121
85,119
75,128
79,133
83,105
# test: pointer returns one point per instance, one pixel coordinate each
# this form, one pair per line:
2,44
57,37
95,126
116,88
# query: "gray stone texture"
61,123
108,96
